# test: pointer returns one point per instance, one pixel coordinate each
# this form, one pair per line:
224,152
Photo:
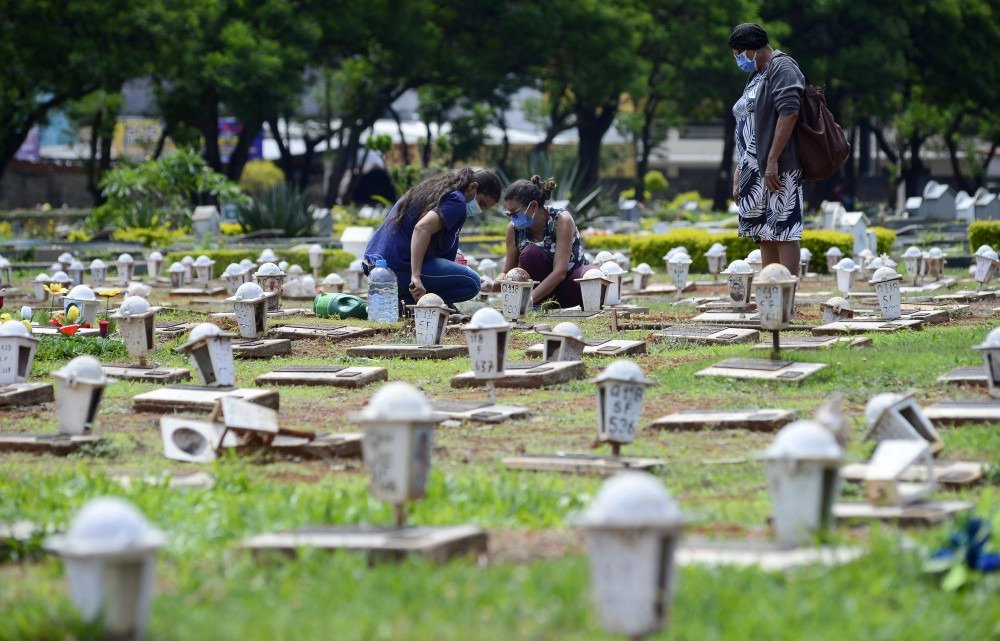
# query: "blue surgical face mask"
472,207
521,220
744,63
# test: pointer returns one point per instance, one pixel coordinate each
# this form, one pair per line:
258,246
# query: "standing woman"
767,185
544,242
419,237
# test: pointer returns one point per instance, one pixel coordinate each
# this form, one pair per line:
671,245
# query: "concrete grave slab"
661,289
950,474
572,313
54,444
627,310
197,291
916,290
769,558
179,398
763,369
608,347
967,297
261,348
758,420
708,335
928,513
478,411
974,375
579,463
814,343
725,307
438,544
164,375
26,394
727,318
957,412
170,330
863,327
334,333
527,376
323,447
322,375
271,314
439,352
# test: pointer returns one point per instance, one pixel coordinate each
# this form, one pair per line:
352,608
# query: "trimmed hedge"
333,259
886,238
650,249
984,232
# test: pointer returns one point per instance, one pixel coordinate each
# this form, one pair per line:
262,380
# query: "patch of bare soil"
525,546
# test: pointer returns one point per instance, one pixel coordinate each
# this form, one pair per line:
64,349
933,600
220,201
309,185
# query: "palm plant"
283,207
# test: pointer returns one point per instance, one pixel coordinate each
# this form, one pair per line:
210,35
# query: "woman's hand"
416,288
771,180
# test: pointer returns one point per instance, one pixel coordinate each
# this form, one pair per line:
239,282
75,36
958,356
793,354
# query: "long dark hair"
429,194
536,189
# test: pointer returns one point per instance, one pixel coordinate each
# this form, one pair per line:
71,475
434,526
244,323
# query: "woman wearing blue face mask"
419,237
767,184
544,242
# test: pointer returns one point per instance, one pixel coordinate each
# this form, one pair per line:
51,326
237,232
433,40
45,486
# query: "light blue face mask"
472,207
744,63
521,220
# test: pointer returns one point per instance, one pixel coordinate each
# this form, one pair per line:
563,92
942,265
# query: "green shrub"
333,259
819,240
984,232
260,175
654,181
282,207
611,242
149,236
886,239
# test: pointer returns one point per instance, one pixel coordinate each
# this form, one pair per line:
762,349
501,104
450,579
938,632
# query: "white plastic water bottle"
383,294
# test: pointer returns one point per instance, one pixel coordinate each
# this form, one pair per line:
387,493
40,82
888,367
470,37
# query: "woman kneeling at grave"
419,237
544,242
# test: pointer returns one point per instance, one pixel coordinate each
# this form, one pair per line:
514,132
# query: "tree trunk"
591,127
864,148
914,174
950,139
644,145
238,159
345,155
724,182
285,155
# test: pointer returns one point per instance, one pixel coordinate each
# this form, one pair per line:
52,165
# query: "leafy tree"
98,113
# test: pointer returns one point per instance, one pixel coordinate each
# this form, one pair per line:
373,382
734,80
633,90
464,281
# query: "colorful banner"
135,138
229,136
31,149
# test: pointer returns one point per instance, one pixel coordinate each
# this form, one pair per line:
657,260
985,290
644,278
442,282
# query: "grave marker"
775,370
211,351
334,334
862,327
883,484
593,289
758,420
323,375
707,335
80,385
812,343
892,416
179,398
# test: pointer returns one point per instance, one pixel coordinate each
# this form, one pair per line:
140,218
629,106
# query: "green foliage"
886,238
379,142
629,194
333,259
74,236
611,242
59,349
259,176
149,236
655,182
283,207
984,232
161,192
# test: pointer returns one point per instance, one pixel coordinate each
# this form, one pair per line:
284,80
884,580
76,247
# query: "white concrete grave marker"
79,389
211,351
176,272
986,267
488,268
6,272
515,293
136,324
487,334
593,288
805,256
990,350
154,264
65,260
802,465
250,307
836,309
271,279
755,261
679,266
846,271
886,282
98,272
739,277
892,416
75,271
632,530
889,463
935,263
109,554
643,274
356,276
234,275
316,254
716,257
430,319
203,270
39,284
17,352
83,299
774,289
913,262
620,389
126,268
614,273
399,437
833,256
563,343
333,283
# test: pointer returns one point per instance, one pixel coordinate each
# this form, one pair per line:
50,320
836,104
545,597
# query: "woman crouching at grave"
544,242
767,185
419,237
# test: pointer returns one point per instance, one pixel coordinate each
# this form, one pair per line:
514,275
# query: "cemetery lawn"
534,583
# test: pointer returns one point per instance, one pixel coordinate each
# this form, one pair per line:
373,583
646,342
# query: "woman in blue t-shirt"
544,241
419,237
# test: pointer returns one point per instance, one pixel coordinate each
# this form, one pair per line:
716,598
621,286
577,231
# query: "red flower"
69,330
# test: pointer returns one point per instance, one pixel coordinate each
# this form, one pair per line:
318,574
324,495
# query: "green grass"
210,589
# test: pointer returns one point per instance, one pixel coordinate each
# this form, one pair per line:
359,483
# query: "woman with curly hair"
544,242
419,237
